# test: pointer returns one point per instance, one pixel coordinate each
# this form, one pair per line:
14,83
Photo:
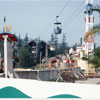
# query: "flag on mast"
9,27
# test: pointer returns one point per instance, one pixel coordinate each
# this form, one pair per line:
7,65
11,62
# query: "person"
68,62
49,65
58,63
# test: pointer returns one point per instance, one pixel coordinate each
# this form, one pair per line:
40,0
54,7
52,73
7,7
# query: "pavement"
89,81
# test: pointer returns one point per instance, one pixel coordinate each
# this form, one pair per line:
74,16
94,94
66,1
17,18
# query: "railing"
48,74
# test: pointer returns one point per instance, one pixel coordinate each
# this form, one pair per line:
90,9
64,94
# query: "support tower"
89,20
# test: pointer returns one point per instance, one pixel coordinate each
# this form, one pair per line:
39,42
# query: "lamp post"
46,50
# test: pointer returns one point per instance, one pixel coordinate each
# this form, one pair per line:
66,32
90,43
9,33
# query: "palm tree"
94,59
94,31
97,8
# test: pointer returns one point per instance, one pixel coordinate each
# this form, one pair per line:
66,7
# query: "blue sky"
35,18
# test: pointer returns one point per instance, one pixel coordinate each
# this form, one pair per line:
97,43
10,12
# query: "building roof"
11,36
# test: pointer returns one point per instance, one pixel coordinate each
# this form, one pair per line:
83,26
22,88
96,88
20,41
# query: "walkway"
89,81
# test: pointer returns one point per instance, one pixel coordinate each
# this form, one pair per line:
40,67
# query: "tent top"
11,36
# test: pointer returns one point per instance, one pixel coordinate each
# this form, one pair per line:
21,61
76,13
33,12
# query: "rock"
68,76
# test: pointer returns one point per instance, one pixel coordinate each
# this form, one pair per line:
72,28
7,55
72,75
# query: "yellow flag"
10,28
5,27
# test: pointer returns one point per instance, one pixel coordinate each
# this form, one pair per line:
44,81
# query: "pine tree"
63,47
20,42
25,58
26,39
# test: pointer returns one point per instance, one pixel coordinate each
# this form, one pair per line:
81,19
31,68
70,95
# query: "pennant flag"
10,28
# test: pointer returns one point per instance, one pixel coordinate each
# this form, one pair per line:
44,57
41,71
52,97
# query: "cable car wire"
64,8
75,16
57,15
75,11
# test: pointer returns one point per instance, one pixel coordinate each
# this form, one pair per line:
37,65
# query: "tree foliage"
25,58
94,59
94,31
63,47
26,39
97,8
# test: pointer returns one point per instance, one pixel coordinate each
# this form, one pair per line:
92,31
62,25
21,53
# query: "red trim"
11,36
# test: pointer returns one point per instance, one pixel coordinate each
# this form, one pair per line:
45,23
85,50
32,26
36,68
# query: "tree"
26,39
94,31
64,41
97,8
94,59
63,47
75,46
19,43
16,48
25,58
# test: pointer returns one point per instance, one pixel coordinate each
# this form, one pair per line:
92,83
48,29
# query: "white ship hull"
24,88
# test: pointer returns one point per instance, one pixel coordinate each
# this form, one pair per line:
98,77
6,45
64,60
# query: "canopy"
11,36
